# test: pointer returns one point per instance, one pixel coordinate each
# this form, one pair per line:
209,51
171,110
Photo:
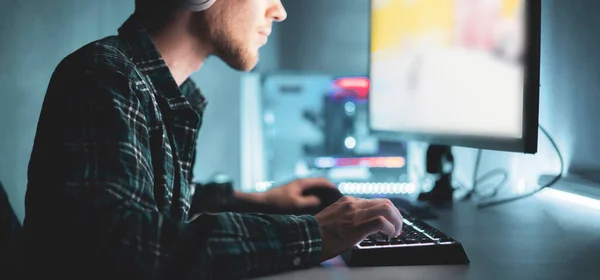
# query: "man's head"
233,30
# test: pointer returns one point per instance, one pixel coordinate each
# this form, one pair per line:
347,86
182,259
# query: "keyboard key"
410,241
367,243
396,241
445,239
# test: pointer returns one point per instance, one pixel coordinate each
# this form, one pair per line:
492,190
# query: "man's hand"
350,220
290,197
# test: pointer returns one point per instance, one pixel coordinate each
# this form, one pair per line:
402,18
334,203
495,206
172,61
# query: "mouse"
327,195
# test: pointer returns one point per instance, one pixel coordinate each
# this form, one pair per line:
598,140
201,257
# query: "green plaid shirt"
110,174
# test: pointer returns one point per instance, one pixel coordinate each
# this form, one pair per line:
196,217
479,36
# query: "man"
108,193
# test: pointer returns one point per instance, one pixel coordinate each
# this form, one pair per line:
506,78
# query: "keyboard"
419,244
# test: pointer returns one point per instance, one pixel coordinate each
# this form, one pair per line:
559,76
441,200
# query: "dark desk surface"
535,238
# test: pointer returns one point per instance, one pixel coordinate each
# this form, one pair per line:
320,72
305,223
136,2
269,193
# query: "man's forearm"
244,202
223,198
249,244
258,198
256,244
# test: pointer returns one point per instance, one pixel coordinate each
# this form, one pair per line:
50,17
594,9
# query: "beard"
221,36
234,54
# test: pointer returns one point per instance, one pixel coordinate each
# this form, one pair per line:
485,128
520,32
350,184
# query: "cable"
552,182
487,176
476,169
473,192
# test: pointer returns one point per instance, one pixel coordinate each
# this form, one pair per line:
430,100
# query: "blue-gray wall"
325,36
319,36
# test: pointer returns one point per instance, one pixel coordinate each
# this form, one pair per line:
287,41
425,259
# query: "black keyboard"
419,244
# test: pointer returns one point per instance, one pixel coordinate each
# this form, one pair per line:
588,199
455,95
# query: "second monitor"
456,72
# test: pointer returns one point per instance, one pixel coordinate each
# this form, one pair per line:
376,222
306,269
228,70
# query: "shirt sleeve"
109,175
220,197
213,197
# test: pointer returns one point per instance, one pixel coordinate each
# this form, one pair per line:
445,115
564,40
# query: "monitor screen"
451,68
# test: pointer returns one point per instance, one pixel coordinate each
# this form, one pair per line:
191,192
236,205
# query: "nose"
278,12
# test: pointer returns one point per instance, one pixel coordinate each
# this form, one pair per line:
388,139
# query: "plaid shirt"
110,174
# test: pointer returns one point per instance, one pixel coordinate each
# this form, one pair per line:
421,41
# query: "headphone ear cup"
197,5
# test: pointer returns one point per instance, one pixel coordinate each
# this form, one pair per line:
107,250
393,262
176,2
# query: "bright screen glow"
450,67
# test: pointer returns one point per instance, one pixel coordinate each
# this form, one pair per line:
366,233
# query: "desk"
535,238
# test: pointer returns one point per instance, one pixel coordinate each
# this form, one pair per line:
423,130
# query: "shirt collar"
146,56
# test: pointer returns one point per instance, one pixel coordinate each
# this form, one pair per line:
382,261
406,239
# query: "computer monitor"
456,72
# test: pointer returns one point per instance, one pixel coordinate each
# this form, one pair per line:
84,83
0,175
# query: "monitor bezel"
528,143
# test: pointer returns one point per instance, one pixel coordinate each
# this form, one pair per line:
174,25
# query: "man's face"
238,28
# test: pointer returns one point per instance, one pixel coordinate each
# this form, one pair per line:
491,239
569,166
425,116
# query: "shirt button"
297,261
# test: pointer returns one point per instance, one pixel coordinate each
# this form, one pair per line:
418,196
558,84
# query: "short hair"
155,13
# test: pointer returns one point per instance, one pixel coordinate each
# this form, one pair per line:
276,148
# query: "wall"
570,79
37,34
325,36
218,149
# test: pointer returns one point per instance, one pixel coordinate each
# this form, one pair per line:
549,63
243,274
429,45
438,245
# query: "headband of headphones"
197,5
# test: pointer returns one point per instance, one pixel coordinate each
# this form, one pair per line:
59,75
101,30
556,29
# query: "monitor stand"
440,162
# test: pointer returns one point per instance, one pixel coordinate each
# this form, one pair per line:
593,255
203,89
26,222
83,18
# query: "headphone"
197,5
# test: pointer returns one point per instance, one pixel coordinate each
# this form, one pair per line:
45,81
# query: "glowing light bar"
381,162
376,188
353,188
570,197
352,86
353,82
325,162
